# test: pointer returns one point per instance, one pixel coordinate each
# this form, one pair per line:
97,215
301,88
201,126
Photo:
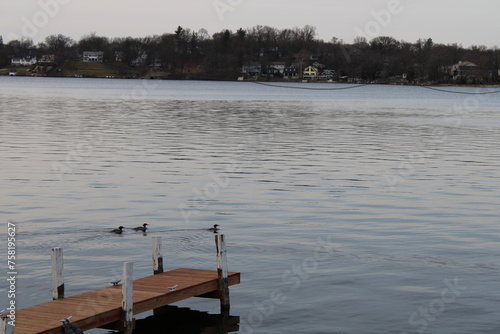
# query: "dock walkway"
113,307
104,306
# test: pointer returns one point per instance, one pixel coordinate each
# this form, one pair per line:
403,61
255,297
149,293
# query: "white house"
26,61
310,73
93,56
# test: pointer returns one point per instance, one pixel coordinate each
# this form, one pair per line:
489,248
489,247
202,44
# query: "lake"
346,208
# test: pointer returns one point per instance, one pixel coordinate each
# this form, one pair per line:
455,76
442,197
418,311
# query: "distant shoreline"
265,80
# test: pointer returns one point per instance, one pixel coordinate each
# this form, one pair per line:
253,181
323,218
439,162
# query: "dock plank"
103,306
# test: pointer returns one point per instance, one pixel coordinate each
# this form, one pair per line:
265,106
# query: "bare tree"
58,44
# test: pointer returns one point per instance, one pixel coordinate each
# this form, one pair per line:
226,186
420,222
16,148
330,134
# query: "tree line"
222,54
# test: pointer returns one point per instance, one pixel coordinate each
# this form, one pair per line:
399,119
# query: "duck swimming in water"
214,229
142,228
118,230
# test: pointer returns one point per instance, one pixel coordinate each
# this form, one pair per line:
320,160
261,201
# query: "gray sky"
445,21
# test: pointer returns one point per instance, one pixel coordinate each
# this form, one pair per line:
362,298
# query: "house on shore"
291,72
24,61
274,70
47,60
277,67
93,56
251,69
327,75
139,61
467,72
310,73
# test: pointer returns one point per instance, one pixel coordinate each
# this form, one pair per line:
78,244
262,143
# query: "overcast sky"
445,21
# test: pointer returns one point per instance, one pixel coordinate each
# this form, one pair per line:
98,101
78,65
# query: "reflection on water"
397,186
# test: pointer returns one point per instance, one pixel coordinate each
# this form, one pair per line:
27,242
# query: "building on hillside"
251,69
291,72
327,75
318,65
93,56
467,72
119,56
139,61
24,61
271,52
155,64
277,66
47,59
310,73
274,69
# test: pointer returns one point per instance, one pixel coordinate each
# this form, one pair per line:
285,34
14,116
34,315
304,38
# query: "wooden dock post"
127,294
57,273
157,256
157,264
5,328
222,273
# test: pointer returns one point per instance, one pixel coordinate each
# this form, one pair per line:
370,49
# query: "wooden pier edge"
149,293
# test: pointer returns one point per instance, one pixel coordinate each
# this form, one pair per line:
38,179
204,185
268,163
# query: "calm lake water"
373,209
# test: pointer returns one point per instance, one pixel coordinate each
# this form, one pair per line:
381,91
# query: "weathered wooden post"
157,264
222,272
5,328
157,256
57,273
127,295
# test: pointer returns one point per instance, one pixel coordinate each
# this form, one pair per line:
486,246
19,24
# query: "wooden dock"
101,307
110,308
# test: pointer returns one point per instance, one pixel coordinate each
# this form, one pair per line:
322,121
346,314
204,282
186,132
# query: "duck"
142,228
214,229
118,230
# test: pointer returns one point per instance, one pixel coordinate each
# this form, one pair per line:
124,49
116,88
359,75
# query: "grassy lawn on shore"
78,68
20,70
